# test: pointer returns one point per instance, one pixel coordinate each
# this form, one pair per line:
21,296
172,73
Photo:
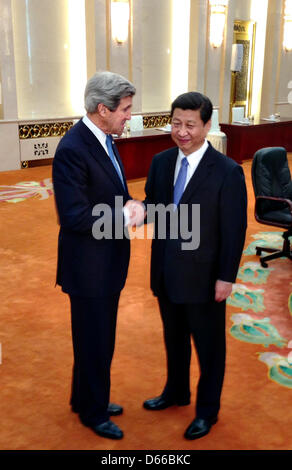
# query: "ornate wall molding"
58,129
37,130
155,120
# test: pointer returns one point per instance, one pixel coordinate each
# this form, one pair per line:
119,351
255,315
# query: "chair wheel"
264,264
258,251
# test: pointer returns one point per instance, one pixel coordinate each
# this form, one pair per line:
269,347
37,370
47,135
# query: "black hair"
194,100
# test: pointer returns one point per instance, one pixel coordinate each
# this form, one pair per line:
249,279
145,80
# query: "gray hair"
107,88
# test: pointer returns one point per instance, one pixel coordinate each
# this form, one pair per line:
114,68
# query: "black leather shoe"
113,409
199,428
159,403
108,429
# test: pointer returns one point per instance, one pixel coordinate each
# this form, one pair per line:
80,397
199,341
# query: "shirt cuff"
126,216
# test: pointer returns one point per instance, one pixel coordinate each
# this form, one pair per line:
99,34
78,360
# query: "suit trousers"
205,323
93,335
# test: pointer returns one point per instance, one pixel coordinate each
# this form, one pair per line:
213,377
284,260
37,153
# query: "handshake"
135,212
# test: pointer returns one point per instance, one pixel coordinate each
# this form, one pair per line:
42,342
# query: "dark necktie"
113,158
180,181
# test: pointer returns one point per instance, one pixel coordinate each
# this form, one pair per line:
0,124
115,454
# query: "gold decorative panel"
241,82
52,129
159,120
242,78
58,129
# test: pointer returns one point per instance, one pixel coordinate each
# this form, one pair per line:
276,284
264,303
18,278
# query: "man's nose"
182,130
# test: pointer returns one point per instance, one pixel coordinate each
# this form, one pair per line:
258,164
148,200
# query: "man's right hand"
137,212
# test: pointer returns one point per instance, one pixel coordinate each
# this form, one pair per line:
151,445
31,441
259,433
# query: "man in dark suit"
92,262
193,278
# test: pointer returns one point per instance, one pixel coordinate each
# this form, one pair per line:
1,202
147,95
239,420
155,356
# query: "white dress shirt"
99,134
193,160
101,137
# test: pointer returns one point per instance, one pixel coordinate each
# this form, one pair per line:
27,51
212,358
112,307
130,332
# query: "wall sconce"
287,34
217,21
120,15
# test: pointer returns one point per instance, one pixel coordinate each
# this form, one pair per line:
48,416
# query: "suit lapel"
100,155
120,163
169,170
202,172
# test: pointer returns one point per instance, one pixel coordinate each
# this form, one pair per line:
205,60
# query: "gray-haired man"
87,171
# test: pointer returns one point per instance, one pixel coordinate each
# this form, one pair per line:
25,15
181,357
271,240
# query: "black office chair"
272,186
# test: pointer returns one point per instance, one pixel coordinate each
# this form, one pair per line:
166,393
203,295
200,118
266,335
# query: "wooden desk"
138,149
244,140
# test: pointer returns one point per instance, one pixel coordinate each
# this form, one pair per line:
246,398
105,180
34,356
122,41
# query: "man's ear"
208,125
102,109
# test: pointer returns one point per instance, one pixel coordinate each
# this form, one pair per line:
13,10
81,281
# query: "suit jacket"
218,186
83,176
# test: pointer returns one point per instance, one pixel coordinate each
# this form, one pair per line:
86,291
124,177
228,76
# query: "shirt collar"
99,134
196,156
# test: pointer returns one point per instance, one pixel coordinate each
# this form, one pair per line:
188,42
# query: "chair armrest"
276,199
260,217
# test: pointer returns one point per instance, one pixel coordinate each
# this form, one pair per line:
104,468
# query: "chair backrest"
136,123
215,121
237,113
271,174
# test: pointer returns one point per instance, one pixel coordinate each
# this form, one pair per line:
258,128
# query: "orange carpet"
36,350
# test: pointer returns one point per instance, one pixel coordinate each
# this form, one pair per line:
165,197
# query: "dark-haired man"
193,284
